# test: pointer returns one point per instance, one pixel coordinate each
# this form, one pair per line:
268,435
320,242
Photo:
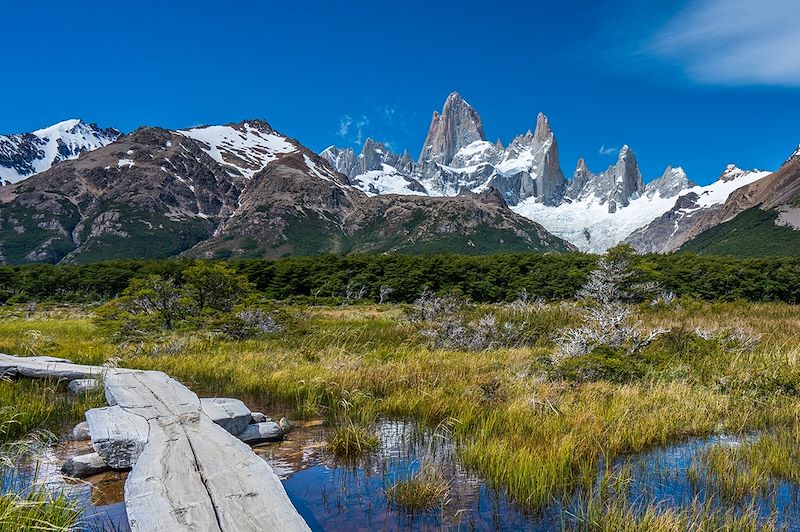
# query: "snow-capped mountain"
25,154
237,190
593,211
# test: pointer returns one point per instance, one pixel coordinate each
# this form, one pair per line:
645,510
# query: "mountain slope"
694,210
235,190
761,218
23,155
752,233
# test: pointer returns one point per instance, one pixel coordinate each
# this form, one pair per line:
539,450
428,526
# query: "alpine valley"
75,192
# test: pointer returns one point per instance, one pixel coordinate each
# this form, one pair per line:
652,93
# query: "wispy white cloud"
344,126
607,151
360,124
388,112
733,42
353,129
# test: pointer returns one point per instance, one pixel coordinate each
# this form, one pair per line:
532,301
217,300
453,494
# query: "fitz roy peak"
238,190
456,157
456,127
593,211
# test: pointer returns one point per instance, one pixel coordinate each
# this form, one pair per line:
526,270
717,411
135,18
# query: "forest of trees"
401,278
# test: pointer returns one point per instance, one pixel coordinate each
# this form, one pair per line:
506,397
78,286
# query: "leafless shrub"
430,307
524,303
354,292
475,335
735,339
261,321
448,326
384,292
665,297
607,313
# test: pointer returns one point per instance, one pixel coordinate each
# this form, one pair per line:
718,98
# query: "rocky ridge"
593,211
25,154
234,190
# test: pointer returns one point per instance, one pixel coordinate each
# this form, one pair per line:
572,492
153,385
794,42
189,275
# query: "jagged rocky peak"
25,154
530,167
543,131
580,177
343,160
457,126
405,163
795,156
372,156
615,187
671,183
731,172
627,179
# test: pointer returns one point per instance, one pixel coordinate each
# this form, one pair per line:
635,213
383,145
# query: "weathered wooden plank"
118,436
245,491
164,492
192,475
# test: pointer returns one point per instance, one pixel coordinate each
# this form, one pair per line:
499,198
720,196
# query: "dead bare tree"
607,313
384,292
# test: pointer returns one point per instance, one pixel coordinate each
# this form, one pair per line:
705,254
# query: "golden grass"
534,437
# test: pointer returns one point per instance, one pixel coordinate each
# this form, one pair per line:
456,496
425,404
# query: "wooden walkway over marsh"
188,473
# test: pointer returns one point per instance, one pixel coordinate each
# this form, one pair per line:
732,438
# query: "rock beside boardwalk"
84,465
81,432
261,433
258,417
82,386
230,414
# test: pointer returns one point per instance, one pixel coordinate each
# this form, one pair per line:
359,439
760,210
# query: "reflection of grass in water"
610,508
425,489
750,468
29,405
352,440
25,504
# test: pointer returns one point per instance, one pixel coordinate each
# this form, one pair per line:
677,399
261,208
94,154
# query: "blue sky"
696,83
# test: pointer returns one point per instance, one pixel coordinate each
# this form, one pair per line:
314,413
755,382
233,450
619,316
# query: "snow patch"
387,180
247,149
61,141
590,226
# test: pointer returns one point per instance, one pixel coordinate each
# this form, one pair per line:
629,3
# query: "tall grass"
28,405
25,503
535,436
750,468
610,508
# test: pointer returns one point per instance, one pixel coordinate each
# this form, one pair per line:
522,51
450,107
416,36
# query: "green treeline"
481,278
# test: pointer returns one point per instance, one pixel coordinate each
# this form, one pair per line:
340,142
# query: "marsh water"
331,495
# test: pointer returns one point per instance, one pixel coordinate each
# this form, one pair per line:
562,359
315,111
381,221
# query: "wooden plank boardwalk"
192,475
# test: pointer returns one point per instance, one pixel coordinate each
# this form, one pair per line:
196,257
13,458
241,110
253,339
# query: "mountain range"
591,210
240,190
75,192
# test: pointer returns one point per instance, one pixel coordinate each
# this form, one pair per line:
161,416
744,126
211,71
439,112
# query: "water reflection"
332,495
351,496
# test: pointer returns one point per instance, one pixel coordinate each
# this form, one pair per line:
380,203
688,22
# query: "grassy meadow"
537,428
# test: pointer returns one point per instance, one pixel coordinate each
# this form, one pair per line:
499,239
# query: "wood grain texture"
192,475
